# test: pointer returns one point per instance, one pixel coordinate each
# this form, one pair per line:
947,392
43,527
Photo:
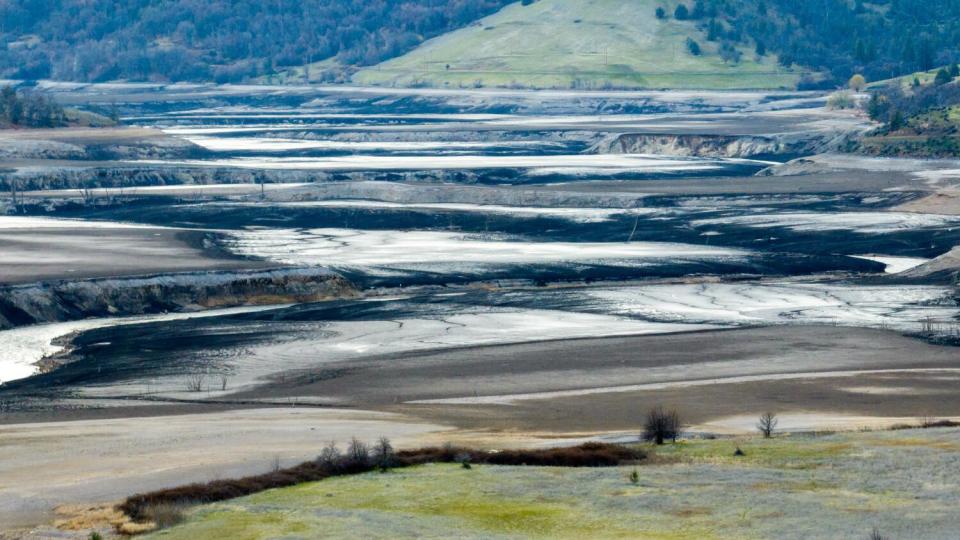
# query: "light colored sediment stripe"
511,399
619,162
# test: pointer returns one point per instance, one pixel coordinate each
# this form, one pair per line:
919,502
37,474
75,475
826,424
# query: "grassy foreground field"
903,483
577,43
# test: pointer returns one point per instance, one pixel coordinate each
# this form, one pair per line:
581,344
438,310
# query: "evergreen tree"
698,10
875,107
925,56
714,30
681,13
896,121
761,48
943,77
860,52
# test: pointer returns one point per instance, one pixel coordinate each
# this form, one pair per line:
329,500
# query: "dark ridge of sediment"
22,305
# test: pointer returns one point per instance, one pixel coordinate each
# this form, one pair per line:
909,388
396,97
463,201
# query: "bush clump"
359,459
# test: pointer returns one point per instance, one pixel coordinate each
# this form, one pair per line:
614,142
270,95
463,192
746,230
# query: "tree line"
222,40
879,38
29,109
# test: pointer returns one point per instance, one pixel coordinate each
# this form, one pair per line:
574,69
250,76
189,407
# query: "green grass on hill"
905,81
904,483
577,43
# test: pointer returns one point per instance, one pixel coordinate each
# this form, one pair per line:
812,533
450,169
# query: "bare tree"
87,194
358,453
13,194
767,423
330,455
224,379
195,382
875,535
383,454
661,425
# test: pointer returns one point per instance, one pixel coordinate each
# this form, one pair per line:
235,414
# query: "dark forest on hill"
221,40
880,39
236,40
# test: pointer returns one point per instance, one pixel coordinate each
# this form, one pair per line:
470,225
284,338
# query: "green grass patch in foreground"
780,452
836,486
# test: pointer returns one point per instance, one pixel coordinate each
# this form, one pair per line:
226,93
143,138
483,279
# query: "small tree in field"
768,422
383,454
661,425
857,83
943,77
897,122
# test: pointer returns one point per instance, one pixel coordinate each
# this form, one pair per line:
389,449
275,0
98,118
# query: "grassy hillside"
577,43
835,486
920,116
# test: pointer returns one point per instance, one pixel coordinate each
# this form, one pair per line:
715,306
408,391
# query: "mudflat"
65,252
605,384
46,465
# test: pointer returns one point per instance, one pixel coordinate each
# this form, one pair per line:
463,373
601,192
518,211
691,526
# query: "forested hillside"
222,40
240,40
879,38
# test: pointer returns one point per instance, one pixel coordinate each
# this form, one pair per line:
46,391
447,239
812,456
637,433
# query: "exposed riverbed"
539,263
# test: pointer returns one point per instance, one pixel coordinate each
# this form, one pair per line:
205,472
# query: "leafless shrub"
330,455
358,454
195,382
841,100
138,507
224,378
383,455
586,455
87,194
275,464
164,514
875,535
928,423
661,425
767,424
